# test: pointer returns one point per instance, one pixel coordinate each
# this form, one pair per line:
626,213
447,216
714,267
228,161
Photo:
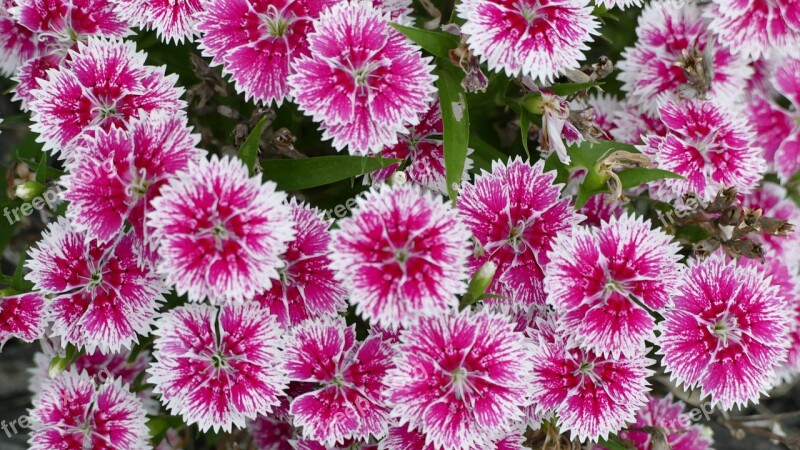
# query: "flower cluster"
184,290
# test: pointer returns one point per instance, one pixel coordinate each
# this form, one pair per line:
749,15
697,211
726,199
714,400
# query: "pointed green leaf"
437,43
41,171
524,124
298,174
455,117
248,152
640,175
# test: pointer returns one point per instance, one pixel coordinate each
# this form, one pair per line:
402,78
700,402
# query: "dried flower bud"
776,227
706,247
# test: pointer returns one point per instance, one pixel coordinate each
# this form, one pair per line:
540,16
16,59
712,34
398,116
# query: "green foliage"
455,117
298,174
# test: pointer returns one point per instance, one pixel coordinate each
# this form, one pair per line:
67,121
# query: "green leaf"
484,153
18,282
640,175
565,89
437,43
613,443
298,174
248,152
28,149
455,118
524,124
41,171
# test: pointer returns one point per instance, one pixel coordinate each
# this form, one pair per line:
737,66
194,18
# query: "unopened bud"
29,190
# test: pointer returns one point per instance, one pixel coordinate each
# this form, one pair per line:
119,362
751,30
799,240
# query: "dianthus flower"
403,253
537,38
598,278
103,296
671,38
593,395
220,233
217,366
668,422
756,28
423,152
727,333
778,129
72,413
348,403
631,123
306,286
58,25
103,83
18,44
22,316
115,174
708,145
514,212
363,80
173,20
461,378
405,438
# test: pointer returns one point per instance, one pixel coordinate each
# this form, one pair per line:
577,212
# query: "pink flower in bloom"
594,275
405,438
537,38
667,35
727,333
58,26
592,395
363,81
116,173
461,379
72,413
257,42
348,403
666,415
706,144
756,27
306,286
104,83
102,296
423,151
22,316
218,367
778,129
220,233
270,433
173,20
349,444
514,213
403,253
631,123
17,43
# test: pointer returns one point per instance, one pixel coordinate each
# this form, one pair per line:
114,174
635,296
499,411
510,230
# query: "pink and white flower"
727,333
756,28
514,212
217,366
348,404
103,83
631,123
220,233
461,379
22,316
363,80
777,128
306,287
708,145
666,416
592,395
72,413
271,433
405,438
103,297
258,42
115,174
173,20
537,38
604,283
669,34
423,153
18,44
403,253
